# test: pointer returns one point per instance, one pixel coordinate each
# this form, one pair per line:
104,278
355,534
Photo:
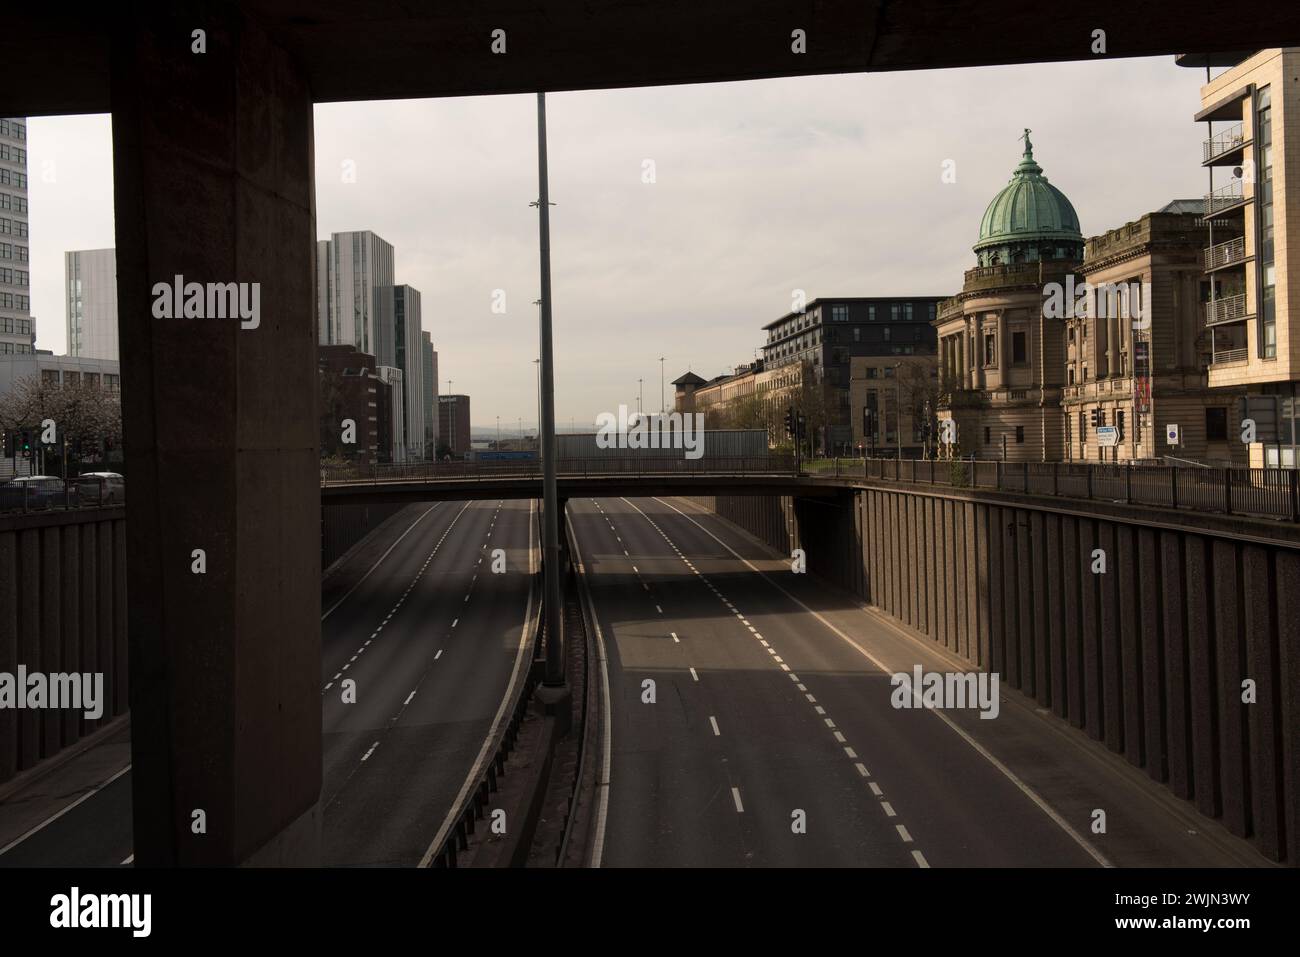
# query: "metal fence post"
1295,495
1088,473
1025,484
1173,486
1227,491
997,473
1056,478
1128,482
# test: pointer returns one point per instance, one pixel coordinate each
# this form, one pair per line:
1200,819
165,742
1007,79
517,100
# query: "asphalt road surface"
771,740
429,640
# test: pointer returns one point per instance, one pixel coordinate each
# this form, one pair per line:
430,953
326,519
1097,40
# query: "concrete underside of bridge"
213,171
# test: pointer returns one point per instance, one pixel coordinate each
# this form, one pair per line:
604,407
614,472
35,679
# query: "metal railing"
1223,142
1229,355
1227,309
1223,198
593,467
21,498
1258,492
1225,254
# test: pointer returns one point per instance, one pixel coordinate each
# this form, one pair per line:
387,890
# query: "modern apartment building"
91,302
1001,361
1251,111
408,355
1137,354
17,330
354,277
349,391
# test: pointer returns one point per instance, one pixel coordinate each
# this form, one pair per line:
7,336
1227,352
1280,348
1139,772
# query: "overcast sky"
827,184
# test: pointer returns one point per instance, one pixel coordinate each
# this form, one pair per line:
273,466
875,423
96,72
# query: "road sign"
1171,433
1108,436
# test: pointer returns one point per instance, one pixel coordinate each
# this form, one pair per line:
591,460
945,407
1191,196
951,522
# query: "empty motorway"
752,725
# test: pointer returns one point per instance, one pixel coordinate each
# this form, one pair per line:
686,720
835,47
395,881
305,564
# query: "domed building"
1001,362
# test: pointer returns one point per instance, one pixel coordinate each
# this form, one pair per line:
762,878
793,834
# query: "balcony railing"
1227,309
1225,197
1224,142
1225,254
1229,355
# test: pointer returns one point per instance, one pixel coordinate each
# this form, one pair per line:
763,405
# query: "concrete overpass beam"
213,167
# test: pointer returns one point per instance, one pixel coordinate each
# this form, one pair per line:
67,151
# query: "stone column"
979,355
212,168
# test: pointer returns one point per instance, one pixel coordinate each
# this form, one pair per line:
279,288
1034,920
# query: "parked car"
32,491
99,488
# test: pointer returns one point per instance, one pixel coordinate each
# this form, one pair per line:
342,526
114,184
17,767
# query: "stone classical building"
1001,361
1136,358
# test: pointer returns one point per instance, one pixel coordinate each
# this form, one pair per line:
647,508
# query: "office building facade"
90,292
17,329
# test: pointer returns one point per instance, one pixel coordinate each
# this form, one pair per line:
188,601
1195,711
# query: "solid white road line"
58,814
694,675
408,699
370,752
714,721
735,796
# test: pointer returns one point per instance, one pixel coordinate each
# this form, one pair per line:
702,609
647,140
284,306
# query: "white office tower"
393,377
91,294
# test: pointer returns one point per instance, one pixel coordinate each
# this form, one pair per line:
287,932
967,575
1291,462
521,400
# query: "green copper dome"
1029,219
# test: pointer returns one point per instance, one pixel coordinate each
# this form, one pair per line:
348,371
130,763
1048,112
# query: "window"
907,311
857,334
1264,216
1216,424
1119,421
1083,426
932,312
1020,435
1019,348
990,349
988,435
839,313
871,313
887,331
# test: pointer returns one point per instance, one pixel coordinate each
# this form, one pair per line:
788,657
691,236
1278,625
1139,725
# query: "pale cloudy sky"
827,184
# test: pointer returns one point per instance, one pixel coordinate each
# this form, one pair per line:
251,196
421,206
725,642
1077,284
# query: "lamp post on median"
554,672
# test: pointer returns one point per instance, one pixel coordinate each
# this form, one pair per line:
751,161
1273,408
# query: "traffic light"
803,426
1097,418
9,444
25,443
789,421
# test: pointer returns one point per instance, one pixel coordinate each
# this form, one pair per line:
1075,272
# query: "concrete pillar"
213,165
1112,669
1026,597
1053,600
